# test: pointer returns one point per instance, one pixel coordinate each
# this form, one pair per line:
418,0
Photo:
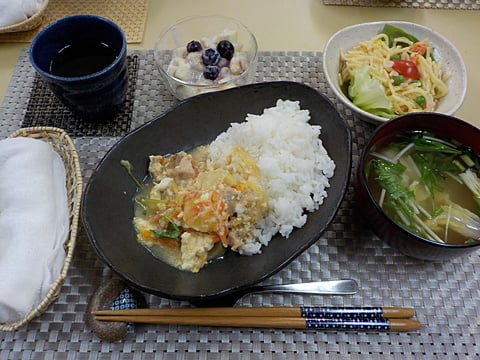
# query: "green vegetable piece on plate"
397,80
172,231
421,101
368,94
393,33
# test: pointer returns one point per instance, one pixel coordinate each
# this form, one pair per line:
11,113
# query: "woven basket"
31,23
64,146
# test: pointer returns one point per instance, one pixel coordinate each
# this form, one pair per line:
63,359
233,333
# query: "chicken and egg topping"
193,210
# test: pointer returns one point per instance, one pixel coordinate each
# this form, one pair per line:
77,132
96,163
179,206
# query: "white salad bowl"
443,51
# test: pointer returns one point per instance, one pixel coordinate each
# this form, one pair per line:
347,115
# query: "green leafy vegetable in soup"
428,185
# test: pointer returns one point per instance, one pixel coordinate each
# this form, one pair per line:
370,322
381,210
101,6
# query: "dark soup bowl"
436,152
108,206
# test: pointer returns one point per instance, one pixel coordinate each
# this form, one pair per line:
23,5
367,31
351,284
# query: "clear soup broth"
428,185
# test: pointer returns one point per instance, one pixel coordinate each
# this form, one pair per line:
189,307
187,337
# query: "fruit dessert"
209,61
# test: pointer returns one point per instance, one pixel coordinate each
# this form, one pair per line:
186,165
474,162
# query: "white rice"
295,166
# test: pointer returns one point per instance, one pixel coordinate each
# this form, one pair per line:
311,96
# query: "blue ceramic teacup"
83,60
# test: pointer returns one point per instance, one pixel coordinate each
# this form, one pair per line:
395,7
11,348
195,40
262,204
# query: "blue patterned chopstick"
355,324
333,312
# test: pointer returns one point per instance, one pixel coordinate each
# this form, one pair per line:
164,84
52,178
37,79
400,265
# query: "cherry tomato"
419,48
406,68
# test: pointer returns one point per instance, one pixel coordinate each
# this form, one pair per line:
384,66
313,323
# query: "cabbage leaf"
368,94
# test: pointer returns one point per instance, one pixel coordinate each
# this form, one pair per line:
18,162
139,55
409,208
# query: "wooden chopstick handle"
398,312
405,325
365,324
209,312
374,324
238,321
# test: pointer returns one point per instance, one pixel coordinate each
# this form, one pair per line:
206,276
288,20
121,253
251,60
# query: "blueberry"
210,57
211,72
194,46
226,49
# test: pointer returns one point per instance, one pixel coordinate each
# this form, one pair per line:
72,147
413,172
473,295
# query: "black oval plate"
107,206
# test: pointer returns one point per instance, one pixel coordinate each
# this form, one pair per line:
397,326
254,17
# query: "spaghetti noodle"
412,79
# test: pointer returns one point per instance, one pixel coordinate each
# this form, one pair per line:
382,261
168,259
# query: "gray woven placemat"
415,4
445,295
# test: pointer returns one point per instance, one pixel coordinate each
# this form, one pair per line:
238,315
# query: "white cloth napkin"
34,224
14,11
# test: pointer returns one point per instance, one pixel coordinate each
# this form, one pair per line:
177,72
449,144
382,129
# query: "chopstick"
270,317
274,322
282,311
